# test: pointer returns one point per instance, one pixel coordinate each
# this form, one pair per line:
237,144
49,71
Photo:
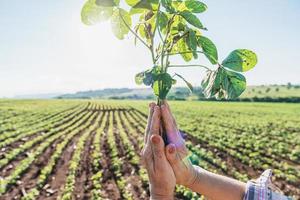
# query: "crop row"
96,157
213,136
25,123
25,163
219,137
27,145
74,163
39,126
116,162
50,125
128,135
28,117
48,169
266,134
272,142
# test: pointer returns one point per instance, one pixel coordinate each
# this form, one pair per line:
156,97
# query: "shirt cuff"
260,189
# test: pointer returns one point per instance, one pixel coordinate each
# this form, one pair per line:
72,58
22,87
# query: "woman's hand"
176,151
161,175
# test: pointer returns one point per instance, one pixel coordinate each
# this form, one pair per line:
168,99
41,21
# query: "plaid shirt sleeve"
261,189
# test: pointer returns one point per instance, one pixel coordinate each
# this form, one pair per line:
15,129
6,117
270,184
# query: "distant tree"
259,92
277,89
179,93
289,85
268,90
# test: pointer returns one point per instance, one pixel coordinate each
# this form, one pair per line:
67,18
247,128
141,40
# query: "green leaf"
183,47
119,28
192,19
240,60
178,26
192,42
190,86
151,21
148,79
167,4
162,21
174,81
144,4
142,31
139,6
223,84
132,2
134,11
234,84
195,6
91,13
139,78
179,5
211,83
147,25
209,49
107,3
162,85
145,77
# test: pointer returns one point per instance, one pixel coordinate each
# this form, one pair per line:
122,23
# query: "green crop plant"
169,28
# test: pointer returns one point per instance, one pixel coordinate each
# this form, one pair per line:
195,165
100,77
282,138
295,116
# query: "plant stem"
165,40
159,33
170,49
136,35
153,36
184,52
190,66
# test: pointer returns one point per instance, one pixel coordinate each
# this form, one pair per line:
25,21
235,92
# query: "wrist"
195,173
161,197
161,193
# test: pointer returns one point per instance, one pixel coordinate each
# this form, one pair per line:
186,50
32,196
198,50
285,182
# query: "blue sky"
45,48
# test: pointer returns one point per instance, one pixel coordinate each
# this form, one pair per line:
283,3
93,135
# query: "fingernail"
155,140
157,110
151,104
172,149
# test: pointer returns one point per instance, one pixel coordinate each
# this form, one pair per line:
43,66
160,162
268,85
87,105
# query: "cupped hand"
161,176
176,151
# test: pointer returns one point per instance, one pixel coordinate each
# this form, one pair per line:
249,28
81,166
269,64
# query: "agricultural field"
272,91
89,149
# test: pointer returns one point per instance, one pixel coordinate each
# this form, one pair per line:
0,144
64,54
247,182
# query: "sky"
45,48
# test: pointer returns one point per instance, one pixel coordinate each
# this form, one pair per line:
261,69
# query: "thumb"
171,153
157,147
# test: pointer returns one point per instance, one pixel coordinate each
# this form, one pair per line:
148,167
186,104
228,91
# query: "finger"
171,128
151,109
148,164
176,161
157,149
155,122
169,110
146,155
171,153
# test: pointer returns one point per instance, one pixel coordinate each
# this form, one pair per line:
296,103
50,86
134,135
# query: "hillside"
272,91
281,93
